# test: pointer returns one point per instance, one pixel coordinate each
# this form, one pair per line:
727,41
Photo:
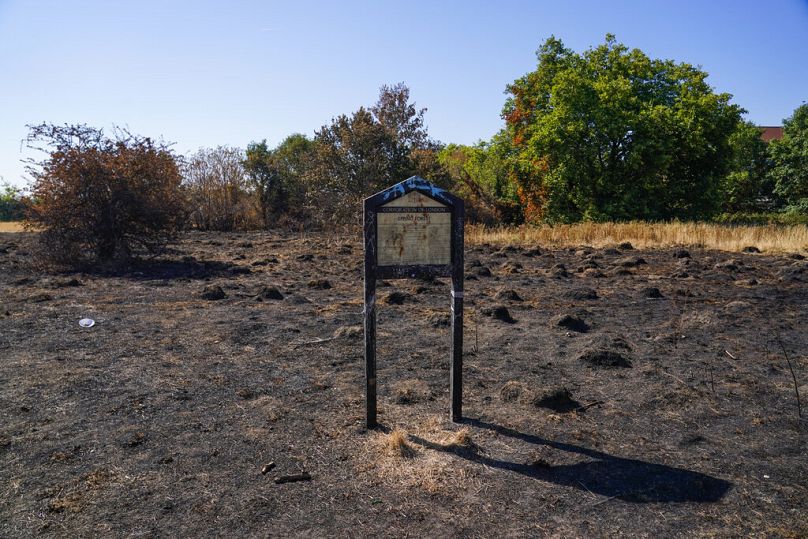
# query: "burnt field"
608,392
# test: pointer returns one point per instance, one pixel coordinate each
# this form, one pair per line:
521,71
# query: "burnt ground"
620,393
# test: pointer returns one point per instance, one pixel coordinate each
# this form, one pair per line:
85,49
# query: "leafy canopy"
790,157
614,134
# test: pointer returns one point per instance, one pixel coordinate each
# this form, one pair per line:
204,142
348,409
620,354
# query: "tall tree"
365,152
480,176
217,190
614,134
747,188
790,159
277,176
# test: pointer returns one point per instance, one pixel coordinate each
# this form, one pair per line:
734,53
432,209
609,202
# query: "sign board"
414,229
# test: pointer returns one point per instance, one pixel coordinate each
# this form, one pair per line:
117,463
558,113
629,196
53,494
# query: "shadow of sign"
630,480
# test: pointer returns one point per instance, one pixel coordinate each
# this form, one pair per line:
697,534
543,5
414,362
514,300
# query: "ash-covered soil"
609,392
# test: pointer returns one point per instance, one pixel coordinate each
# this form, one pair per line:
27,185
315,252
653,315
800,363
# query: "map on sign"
413,230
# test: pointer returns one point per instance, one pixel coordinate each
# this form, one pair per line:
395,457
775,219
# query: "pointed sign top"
413,183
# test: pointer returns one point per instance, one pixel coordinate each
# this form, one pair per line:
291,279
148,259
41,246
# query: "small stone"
266,468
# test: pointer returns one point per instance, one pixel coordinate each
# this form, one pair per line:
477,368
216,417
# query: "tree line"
607,134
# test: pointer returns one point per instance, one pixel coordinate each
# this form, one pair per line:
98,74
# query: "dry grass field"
609,391
11,226
770,238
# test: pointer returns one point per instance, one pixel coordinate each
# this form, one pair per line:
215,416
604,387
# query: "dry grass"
401,461
397,445
11,226
768,238
458,439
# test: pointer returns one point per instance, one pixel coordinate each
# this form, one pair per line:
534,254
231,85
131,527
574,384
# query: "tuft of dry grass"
458,439
422,467
397,444
643,235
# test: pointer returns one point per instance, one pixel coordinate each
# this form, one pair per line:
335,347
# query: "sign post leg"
456,372
370,352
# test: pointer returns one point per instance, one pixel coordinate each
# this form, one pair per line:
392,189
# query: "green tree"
277,176
790,161
614,134
291,159
12,207
746,187
480,176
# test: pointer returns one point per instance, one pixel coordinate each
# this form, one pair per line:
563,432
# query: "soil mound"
499,312
559,400
397,298
570,322
213,293
605,358
507,295
319,284
581,294
269,292
651,292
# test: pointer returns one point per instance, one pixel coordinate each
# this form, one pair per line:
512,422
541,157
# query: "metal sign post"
414,229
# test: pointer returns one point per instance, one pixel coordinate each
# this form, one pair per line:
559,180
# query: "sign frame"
375,272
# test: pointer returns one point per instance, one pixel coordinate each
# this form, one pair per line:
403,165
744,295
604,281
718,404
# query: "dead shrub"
218,194
97,198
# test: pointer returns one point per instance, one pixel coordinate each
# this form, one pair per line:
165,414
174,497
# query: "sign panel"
414,229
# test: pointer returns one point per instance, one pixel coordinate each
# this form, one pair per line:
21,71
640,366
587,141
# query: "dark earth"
608,392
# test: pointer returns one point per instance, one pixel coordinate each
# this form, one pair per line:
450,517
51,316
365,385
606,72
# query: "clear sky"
203,73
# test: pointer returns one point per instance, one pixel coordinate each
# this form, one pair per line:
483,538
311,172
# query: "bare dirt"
608,392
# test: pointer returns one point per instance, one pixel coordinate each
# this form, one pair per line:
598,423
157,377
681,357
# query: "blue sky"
210,73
